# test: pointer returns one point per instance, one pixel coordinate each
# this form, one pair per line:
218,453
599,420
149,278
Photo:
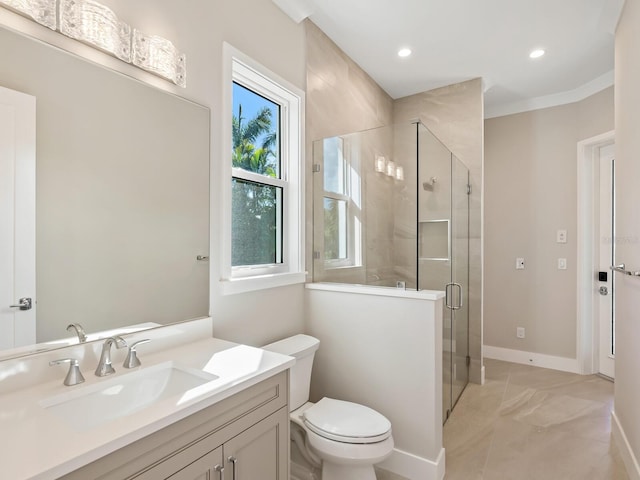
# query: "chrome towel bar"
621,268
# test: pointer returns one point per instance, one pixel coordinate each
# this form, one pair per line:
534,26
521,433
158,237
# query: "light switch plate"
562,264
561,236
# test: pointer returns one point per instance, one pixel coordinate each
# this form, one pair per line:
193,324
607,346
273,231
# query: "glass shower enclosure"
391,209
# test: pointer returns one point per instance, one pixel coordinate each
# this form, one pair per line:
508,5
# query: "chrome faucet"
104,366
79,331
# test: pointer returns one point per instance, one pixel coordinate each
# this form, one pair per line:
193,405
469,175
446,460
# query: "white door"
607,250
17,218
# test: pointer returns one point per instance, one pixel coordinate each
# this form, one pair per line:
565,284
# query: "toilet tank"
303,348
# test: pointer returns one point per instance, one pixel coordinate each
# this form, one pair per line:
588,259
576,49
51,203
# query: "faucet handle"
74,375
132,360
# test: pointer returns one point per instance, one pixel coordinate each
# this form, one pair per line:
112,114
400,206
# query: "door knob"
23,304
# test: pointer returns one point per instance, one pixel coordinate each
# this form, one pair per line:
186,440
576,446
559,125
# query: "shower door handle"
447,296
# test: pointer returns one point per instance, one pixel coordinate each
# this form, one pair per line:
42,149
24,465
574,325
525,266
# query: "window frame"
241,69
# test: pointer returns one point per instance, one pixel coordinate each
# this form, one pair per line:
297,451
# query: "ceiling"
457,40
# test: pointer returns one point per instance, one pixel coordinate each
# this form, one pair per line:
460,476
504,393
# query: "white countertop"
36,444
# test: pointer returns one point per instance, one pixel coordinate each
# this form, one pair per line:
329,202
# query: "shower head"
428,186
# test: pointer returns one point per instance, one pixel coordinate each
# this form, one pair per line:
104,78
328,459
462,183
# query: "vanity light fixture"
380,164
399,174
404,52
158,55
42,11
537,53
95,24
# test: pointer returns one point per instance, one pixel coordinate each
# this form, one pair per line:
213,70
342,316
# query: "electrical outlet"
519,263
520,332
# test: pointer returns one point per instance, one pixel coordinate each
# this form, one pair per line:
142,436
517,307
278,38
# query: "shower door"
443,252
459,304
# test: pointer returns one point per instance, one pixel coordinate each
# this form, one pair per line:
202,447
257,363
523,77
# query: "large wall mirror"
122,196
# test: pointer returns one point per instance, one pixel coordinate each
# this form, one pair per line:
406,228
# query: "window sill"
262,282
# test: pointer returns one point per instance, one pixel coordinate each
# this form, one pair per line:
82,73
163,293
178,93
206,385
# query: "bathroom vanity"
243,437
207,409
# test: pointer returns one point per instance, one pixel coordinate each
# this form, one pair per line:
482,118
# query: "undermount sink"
123,395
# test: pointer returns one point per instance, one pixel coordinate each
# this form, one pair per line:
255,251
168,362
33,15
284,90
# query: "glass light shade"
42,11
391,168
399,173
97,25
158,55
380,164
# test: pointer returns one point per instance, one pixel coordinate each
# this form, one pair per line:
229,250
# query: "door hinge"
316,255
468,189
468,360
316,168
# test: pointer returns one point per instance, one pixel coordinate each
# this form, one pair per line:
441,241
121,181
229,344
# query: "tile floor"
530,423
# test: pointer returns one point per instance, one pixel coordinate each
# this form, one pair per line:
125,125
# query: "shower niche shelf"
435,236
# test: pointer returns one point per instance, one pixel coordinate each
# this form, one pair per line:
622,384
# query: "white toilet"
346,438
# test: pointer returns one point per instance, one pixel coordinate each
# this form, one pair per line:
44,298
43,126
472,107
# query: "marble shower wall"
342,99
455,115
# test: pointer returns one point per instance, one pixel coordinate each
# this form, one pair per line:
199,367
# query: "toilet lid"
346,422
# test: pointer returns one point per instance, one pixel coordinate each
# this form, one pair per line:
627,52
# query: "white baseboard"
529,358
413,467
629,458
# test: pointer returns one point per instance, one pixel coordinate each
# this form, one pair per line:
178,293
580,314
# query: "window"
341,202
256,185
263,238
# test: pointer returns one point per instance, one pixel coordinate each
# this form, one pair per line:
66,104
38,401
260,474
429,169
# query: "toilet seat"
346,422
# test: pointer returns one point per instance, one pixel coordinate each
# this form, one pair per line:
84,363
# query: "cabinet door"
261,451
207,467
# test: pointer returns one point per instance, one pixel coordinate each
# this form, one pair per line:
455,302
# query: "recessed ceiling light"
537,53
404,52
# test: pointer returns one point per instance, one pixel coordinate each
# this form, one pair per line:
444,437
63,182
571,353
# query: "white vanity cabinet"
243,437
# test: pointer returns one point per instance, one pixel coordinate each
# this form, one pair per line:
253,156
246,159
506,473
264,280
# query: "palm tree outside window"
257,191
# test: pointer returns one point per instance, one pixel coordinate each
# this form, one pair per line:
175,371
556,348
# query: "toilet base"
333,471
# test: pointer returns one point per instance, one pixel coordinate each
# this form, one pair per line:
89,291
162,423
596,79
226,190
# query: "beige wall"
627,119
530,193
199,28
455,116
